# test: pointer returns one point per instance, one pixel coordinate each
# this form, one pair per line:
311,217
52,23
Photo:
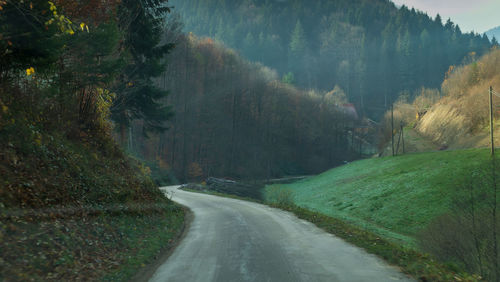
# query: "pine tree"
298,41
249,46
297,53
138,97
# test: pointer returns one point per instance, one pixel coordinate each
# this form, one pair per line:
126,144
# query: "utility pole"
392,128
491,122
399,138
403,136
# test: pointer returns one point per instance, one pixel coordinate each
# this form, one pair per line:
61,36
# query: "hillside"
371,49
418,200
457,115
236,119
75,209
494,32
73,205
396,197
425,199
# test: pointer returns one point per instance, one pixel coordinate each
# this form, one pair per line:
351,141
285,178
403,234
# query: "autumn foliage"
236,119
73,205
93,12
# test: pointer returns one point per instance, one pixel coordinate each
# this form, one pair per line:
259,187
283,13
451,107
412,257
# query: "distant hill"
370,48
494,32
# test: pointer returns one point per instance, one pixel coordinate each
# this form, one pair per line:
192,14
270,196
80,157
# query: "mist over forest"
371,49
271,88
236,119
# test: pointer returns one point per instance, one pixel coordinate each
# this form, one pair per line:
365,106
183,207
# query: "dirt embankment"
458,115
447,127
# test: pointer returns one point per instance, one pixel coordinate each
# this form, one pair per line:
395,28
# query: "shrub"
280,197
468,236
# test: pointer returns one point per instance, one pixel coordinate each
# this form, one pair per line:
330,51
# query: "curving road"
232,240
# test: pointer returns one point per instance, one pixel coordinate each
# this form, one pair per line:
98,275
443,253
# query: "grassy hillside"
393,196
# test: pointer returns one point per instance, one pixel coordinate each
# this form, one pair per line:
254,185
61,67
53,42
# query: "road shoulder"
145,273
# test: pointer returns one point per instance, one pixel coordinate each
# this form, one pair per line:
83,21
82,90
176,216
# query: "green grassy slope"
393,196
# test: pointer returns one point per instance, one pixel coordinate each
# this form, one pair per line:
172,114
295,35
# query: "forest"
104,101
370,48
268,88
73,205
236,119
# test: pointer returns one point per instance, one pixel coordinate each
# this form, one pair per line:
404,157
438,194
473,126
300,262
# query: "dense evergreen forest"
236,119
370,48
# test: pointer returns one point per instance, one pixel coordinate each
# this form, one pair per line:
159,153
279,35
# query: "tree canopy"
370,48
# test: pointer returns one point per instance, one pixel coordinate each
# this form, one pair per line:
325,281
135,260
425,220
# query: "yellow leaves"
449,72
83,26
2,3
3,115
38,140
103,104
52,6
65,25
30,71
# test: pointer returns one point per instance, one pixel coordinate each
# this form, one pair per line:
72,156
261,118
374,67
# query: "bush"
280,197
468,236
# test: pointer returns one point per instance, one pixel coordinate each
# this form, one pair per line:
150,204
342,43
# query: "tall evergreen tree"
297,51
298,41
138,97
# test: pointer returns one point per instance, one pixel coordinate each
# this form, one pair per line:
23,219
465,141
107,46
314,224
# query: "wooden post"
399,141
403,137
360,147
491,122
392,128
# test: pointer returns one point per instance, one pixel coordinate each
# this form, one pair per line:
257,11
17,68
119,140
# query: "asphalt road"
232,240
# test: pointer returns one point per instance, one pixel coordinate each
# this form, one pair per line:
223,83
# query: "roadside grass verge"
147,238
106,247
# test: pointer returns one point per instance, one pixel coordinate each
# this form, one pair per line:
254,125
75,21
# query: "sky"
471,15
